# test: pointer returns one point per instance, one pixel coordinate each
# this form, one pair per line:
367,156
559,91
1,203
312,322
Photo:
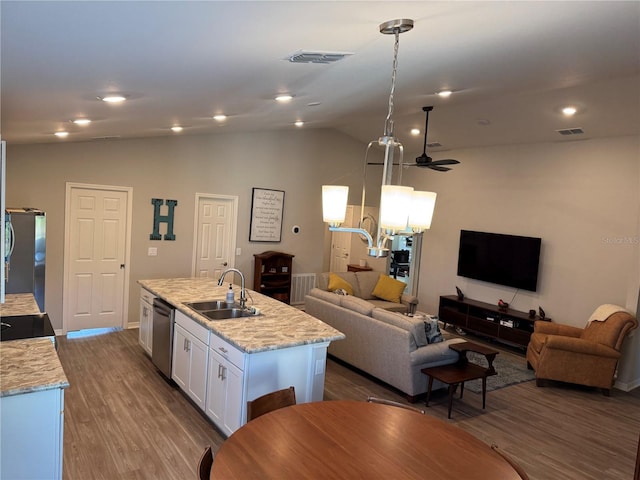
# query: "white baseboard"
133,325
627,386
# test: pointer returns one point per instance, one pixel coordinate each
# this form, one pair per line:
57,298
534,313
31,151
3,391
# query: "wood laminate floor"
124,421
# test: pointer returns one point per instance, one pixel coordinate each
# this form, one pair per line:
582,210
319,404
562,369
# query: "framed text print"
266,215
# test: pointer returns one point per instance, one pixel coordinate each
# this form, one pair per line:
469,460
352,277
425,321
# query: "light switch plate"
152,252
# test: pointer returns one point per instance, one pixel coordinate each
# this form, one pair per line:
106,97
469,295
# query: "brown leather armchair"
585,356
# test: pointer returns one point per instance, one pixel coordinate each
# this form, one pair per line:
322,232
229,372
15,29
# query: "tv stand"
511,326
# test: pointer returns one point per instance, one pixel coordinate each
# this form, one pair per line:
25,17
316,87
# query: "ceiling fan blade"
437,168
446,161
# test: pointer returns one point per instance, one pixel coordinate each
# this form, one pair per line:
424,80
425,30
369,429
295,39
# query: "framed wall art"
266,215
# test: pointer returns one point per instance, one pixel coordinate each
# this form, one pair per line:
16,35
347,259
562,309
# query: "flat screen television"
509,260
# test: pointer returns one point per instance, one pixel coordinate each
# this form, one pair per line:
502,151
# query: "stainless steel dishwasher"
163,323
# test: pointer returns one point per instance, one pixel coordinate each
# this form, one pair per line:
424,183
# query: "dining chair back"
204,465
393,404
519,470
271,401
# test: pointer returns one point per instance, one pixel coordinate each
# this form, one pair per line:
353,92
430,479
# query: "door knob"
225,264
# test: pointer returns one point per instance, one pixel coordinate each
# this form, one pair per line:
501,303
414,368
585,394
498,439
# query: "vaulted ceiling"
511,66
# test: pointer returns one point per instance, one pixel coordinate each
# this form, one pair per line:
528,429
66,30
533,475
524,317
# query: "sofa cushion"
389,289
326,296
336,283
411,324
366,283
356,304
390,306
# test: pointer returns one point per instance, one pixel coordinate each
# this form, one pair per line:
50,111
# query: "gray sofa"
363,284
387,345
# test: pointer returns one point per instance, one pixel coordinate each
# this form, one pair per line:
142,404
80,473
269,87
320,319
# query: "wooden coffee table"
462,371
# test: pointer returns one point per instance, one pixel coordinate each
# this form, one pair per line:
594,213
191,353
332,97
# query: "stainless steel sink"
211,305
225,314
219,309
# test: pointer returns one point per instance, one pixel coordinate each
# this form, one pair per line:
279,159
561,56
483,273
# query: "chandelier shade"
395,202
421,212
334,204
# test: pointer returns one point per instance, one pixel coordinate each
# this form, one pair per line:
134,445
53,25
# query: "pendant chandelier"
403,211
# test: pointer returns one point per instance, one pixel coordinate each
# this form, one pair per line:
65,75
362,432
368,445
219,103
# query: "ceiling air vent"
304,56
434,145
571,131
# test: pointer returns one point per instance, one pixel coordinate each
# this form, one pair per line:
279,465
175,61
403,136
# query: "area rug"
511,370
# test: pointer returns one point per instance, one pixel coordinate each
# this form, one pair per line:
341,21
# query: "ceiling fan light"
334,204
422,206
444,93
395,202
115,98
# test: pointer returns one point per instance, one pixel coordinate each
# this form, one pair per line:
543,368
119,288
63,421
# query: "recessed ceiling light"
220,117
569,111
177,128
299,123
82,121
61,134
415,132
115,98
284,98
444,93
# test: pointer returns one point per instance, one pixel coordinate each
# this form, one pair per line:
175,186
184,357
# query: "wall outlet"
152,252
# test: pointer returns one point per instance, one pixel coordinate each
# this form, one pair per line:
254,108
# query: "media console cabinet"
511,326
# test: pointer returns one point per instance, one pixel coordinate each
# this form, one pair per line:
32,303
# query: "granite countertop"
29,366
278,326
18,304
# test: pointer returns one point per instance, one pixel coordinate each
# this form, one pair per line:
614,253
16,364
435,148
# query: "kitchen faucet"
243,296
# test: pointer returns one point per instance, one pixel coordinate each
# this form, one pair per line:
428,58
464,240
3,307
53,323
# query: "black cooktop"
25,326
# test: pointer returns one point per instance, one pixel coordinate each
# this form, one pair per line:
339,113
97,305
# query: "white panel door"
215,235
341,245
95,263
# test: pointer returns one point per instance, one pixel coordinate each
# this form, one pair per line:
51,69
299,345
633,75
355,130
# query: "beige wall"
297,162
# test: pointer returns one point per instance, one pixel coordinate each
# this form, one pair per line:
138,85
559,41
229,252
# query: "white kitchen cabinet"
225,385
145,334
190,358
31,435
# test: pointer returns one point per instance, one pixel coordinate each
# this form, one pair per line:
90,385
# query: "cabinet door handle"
188,345
219,370
224,369
223,350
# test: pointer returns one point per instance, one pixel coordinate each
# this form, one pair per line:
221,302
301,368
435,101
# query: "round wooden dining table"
355,440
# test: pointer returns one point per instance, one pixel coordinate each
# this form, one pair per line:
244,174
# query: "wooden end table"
462,371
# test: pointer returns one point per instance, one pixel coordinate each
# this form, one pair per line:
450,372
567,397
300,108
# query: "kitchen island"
32,384
222,364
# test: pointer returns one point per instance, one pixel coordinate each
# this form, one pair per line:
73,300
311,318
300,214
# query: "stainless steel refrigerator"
25,252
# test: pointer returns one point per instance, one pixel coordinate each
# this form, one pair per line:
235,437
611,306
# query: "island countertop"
278,326
30,365
18,304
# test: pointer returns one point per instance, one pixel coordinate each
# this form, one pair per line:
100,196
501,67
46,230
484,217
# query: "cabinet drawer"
515,335
147,296
228,351
191,326
482,326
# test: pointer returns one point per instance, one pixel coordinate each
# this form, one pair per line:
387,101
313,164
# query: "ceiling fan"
426,161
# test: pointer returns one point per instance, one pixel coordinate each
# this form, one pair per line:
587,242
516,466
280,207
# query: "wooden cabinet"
145,333
190,358
511,326
225,385
272,275
31,435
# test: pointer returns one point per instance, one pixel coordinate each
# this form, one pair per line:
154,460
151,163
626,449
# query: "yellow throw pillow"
389,289
336,282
